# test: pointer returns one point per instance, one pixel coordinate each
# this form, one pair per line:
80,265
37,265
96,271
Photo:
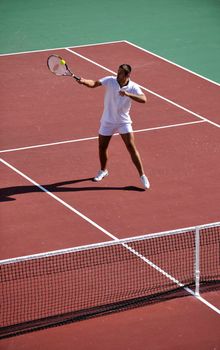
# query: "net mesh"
210,254
62,286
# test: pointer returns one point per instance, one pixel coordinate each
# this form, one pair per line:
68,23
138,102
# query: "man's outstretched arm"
90,83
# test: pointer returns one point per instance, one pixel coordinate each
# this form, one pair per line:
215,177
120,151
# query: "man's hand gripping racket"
58,66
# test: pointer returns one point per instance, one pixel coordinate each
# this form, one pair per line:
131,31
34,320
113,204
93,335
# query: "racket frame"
71,74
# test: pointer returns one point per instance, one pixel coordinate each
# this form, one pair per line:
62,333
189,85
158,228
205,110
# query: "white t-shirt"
116,107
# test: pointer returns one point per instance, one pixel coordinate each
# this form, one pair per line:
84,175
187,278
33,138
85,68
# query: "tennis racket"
58,66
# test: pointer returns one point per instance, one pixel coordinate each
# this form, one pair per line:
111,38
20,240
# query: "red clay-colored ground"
182,163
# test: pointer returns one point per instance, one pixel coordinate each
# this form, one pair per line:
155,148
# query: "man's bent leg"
103,150
135,156
128,139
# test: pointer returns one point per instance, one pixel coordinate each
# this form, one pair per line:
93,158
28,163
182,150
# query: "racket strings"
57,66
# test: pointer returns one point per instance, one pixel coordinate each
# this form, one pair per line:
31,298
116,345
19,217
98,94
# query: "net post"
197,260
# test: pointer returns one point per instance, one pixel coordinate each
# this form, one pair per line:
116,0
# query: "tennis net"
67,285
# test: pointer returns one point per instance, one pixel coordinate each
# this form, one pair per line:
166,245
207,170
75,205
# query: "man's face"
122,76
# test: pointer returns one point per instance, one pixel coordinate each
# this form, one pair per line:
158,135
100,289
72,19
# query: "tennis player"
120,91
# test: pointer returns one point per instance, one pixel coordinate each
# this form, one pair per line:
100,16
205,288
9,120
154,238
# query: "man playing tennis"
120,91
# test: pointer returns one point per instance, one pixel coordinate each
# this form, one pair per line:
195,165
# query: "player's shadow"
6,194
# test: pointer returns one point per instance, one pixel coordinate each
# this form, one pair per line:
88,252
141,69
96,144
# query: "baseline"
171,62
148,90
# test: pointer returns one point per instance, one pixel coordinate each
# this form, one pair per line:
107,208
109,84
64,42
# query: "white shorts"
108,129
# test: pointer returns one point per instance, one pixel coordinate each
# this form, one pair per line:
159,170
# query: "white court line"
48,144
144,88
60,48
212,307
113,42
174,64
57,198
95,137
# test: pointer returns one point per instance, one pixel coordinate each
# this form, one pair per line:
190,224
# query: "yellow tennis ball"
62,62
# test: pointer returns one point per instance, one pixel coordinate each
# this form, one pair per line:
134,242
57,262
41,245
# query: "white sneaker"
101,174
145,181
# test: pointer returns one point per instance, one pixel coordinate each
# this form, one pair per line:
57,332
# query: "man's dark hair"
126,68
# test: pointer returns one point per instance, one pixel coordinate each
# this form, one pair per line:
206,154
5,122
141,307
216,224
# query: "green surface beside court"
186,32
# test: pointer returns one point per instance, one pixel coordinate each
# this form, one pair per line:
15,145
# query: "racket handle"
75,77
